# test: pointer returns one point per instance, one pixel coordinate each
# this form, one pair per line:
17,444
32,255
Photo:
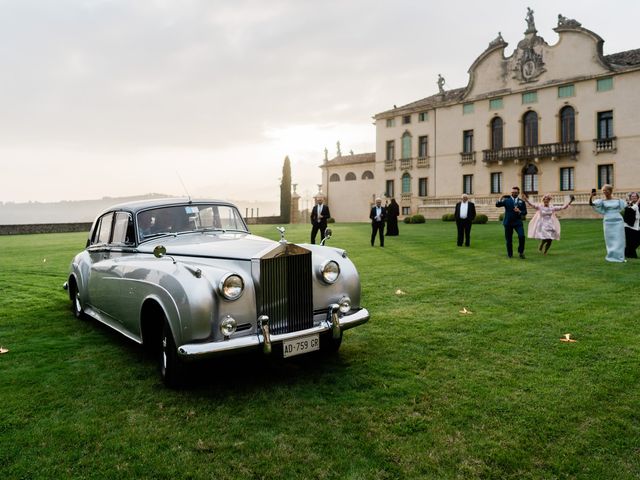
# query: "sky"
108,98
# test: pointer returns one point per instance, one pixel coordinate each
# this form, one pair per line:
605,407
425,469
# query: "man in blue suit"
514,211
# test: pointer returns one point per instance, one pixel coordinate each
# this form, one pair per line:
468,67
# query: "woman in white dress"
612,222
544,225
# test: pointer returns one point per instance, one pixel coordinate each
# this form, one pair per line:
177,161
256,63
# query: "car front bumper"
334,323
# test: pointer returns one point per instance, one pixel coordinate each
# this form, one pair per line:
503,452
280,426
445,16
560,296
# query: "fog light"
228,325
345,305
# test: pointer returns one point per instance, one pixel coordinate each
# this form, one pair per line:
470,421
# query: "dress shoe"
522,256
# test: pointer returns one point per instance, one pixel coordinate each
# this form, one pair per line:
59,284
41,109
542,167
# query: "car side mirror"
327,236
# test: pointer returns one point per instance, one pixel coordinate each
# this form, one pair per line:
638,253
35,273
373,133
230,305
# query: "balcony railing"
544,150
422,162
406,163
467,158
605,145
405,197
390,164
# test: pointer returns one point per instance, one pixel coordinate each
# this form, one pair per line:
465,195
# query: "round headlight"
228,325
345,305
330,271
231,286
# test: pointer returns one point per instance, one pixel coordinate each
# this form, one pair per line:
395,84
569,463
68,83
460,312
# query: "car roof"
137,206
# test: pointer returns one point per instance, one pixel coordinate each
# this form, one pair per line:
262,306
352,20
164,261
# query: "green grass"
421,391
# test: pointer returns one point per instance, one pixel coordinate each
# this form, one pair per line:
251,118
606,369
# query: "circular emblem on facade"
528,69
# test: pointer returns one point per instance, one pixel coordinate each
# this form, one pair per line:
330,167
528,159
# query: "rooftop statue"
441,83
567,22
531,24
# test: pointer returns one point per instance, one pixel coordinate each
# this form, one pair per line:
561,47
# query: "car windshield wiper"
155,235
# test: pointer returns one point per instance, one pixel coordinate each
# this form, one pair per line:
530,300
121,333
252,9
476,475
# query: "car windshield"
188,218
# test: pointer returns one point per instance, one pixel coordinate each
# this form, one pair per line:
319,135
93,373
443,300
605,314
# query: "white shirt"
464,209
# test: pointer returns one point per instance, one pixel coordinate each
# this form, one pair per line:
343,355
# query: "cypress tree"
285,192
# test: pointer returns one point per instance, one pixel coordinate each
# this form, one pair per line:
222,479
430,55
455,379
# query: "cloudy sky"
125,97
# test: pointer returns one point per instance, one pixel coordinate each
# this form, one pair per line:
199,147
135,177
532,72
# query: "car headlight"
330,271
228,325
231,286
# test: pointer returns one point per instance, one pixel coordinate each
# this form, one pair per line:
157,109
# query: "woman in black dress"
393,210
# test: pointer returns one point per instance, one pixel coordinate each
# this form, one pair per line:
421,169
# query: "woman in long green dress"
612,222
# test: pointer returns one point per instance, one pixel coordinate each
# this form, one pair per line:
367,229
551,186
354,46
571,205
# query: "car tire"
171,366
76,302
328,344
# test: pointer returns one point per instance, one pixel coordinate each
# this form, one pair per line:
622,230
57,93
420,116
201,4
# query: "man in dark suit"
465,213
319,215
514,211
377,215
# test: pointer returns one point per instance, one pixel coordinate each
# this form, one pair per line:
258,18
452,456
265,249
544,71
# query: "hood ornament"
281,230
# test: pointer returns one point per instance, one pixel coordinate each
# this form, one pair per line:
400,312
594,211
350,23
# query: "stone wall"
45,228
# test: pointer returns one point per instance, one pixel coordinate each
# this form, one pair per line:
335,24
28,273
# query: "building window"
391,122
467,108
406,145
423,116
334,177
530,128
406,119
530,179
566,179
496,182
566,91
406,210
391,150
467,184
567,125
422,187
496,133
529,97
604,84
389,190
423,146
605,125
467,141
495,104
349,177
406,183
605,175
367,175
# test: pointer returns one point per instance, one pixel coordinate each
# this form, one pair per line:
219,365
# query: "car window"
102,232
123,229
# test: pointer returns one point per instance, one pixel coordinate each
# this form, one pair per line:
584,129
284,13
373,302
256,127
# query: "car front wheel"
171,366
76,302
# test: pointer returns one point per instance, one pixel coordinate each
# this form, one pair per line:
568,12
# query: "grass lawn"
421,391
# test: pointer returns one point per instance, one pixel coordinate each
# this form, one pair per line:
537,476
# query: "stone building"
559,119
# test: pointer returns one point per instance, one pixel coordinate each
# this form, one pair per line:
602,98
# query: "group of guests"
621,232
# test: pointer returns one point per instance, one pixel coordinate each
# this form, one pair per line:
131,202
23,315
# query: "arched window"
406,145
406,183
367,175
496,133
334,177
530,129
350,177
530,179
567,125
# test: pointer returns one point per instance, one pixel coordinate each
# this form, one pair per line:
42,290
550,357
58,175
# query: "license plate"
300,345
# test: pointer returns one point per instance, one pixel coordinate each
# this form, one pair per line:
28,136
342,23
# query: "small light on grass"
567,338
464,311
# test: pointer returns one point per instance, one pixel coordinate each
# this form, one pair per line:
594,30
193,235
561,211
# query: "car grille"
287,293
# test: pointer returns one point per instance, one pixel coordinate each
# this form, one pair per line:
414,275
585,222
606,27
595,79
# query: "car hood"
241,246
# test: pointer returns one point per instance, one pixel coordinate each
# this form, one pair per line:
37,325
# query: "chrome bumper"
264,339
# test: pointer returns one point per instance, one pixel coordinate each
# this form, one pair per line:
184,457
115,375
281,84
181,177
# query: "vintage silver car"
186,279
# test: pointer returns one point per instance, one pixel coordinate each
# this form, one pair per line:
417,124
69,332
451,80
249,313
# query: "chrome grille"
287,296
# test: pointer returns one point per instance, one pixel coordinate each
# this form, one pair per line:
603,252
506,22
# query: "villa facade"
559,119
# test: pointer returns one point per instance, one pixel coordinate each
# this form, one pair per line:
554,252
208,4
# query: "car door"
100,285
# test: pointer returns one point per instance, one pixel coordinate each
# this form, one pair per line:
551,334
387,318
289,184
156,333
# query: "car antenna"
183,186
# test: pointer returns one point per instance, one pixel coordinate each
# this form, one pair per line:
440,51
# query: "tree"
285,192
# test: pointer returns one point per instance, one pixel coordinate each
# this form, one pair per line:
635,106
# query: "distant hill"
86,210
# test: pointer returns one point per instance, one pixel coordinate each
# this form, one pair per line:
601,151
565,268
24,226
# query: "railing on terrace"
544,150
422,162
467,158
406,163
556,198
405,197
605,145
390,164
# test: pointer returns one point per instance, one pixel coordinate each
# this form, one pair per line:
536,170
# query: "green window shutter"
530,97
495,104
605,84
467,108
566,91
